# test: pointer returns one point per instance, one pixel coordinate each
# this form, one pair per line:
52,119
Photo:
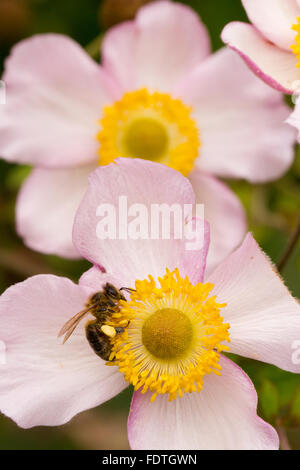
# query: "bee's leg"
109,331
119,330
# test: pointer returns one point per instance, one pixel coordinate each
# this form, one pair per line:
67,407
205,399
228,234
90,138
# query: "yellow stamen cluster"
296,47
149,125
174,336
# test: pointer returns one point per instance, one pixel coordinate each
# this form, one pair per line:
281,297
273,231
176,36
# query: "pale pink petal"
124,187
195,250
277,67
118,54
221,417
158,49
42,381
191,262
294,118
240,119
225,214
55,96
264,318
274,18
96,277
46,208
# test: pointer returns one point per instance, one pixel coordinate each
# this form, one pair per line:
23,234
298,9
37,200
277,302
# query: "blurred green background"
273,211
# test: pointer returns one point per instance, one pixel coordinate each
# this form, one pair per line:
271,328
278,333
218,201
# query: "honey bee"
102,306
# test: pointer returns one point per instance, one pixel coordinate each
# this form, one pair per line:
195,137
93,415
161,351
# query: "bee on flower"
176,324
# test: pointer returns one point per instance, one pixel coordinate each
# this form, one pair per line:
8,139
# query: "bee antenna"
128,289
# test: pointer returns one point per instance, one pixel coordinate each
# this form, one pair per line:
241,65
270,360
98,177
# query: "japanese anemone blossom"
159,95
271,45
188,395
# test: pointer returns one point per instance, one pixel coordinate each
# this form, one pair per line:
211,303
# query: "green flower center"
167,333
146,138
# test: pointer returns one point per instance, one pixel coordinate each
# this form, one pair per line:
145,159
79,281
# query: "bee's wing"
69,332
71,324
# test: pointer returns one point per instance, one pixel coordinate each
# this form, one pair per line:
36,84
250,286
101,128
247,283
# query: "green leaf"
294,411
269,400
17,176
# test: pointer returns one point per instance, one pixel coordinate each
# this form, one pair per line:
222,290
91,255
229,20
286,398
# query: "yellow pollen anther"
152,126
296,47
108,331
174,337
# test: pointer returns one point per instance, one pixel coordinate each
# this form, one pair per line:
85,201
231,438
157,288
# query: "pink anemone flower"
158,95
271,45
175,327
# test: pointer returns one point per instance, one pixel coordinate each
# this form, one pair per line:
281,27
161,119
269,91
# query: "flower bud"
14,20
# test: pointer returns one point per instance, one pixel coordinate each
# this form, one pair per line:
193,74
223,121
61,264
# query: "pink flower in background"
271,45
159,95
243,304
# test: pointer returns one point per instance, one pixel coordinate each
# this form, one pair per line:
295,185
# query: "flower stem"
284,442
93,48
290,248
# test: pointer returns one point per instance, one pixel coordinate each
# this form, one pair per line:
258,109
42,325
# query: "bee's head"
111,291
